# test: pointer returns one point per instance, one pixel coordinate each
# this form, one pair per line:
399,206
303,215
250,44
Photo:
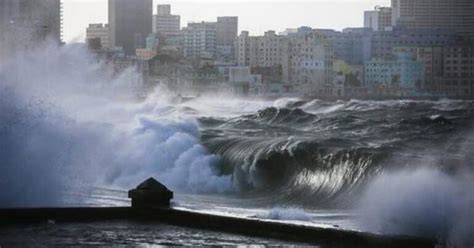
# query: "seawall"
252,227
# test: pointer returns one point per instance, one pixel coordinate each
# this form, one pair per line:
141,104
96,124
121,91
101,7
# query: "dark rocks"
150,193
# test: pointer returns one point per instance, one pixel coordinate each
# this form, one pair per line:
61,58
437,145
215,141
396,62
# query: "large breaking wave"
402,166
320,152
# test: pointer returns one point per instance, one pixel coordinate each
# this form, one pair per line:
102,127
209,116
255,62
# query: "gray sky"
254,16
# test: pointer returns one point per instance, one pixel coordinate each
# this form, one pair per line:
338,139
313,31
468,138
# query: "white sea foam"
65,125
285,214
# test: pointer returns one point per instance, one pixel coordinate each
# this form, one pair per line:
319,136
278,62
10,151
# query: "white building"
269,50
200,40
100,31
311,64
305,59
166,24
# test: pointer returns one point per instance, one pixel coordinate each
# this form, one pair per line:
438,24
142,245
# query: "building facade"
267,51
98,31
458,80
303,59
379,19
200,40
227,31
130,22
432,58
311,64
353,45
166,24
453,15
399,76
383,43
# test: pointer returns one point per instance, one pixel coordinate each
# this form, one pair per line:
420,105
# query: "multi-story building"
26,23
166,24
98,31
353,45
227,30
453,15
399,76
311,64
269,50
458,80
130,22
432,58
200,40
379,19
304,59
383,43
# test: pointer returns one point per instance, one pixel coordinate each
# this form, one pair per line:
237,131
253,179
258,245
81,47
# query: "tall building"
98,31
458,79
311,63
25,23
383,43
454,15
130,22
227,30
166,24
379,19
200,39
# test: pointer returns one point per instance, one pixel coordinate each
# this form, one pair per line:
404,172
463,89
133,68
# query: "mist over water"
423,202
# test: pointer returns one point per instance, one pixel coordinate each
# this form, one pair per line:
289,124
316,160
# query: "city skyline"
326,14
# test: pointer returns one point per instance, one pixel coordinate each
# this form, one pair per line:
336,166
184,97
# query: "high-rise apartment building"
98,31
25,23
454,15
379,19
200,39
130,22
166,24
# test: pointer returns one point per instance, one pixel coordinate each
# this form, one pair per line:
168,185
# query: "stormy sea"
70,135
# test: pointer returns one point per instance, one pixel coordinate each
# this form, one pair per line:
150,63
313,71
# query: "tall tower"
454,15
129,23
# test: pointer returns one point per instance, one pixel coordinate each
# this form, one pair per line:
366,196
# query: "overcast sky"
254,16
